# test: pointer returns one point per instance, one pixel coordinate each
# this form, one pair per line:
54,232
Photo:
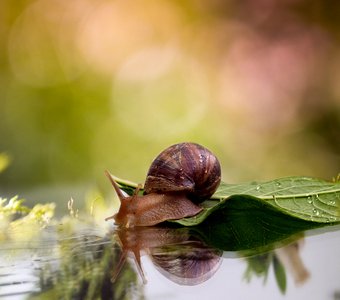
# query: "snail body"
179,178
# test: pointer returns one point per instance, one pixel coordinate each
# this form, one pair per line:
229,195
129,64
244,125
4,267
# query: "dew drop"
258,188
309,200
331,202
278,184
316,212
332,219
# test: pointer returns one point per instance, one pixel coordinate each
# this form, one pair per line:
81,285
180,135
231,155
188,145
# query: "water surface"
81,260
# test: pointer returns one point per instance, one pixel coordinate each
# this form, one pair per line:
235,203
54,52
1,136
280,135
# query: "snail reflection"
176,254
86,263
179,179
180,255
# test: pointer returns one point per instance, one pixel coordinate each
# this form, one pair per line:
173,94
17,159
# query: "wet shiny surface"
78,260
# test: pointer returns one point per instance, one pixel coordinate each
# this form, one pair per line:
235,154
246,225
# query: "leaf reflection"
76,260
181,255
283,260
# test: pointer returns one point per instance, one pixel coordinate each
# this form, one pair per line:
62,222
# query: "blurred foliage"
4,161
76,261
40,213
20,223
259,266
84,271
93,85
12,206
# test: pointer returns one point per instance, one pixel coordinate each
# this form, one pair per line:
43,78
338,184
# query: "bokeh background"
88,85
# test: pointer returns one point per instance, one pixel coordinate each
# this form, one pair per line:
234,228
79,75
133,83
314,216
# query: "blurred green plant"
12,207
259,266
21,223
86,262
4,161
40,214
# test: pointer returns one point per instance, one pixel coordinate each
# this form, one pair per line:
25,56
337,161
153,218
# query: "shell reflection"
189,263
178,255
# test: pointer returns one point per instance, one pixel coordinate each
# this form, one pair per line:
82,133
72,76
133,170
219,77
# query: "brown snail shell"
182,176
185,167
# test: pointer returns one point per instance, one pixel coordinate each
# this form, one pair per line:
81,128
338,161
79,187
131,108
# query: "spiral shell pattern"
186,167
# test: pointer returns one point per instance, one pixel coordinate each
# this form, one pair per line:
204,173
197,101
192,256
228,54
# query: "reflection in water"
179,256
68,261
286,258
192,263
80,261
84,271
290,258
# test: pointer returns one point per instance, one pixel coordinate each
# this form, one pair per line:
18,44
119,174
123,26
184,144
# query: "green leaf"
303,198
280,275
258,265
253,218
249,226
127,186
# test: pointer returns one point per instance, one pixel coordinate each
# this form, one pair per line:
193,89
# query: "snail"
180,177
